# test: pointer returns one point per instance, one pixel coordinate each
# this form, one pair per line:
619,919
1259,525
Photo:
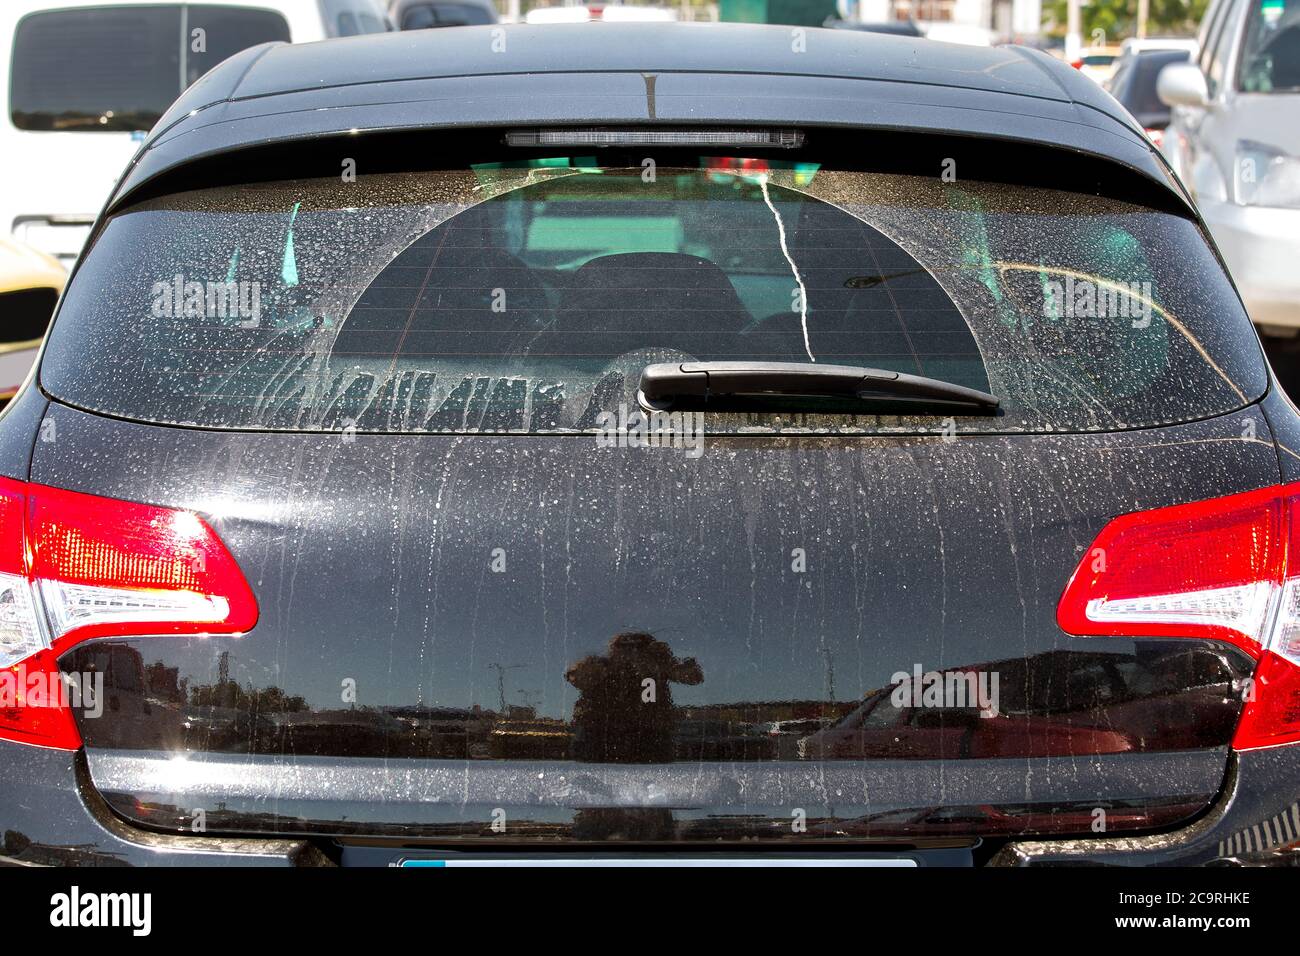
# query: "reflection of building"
521,737
963,21
761,713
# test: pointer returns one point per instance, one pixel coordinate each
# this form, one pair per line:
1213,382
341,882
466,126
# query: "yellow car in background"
30,284
1098,62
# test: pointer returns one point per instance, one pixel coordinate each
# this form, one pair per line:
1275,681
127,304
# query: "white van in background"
82,84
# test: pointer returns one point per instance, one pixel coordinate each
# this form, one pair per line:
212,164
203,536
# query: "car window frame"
1209,28
1222,51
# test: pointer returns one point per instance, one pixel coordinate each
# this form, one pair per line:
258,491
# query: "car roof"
641,73
599,46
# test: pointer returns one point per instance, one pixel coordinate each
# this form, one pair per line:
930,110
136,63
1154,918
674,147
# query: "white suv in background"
1234,138
81,84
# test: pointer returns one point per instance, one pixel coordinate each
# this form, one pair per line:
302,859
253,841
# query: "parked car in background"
427,14
428,437
1135,45
901,28
1097,62
634,13
30,283
1134,85
82,84
1234,139
966,34
610,13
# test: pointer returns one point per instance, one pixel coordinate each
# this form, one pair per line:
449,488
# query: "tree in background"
1119,17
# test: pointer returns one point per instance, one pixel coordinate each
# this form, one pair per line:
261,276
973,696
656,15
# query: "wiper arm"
735,386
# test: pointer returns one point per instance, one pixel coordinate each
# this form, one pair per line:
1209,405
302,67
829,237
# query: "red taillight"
75,567
1219,570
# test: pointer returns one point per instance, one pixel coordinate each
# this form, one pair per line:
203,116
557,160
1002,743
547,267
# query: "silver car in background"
1234,139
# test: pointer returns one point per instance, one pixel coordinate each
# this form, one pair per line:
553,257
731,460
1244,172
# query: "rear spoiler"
211,128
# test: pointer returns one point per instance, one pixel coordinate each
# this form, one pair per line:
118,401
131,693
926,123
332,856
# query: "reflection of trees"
1116,17
228,693
165,683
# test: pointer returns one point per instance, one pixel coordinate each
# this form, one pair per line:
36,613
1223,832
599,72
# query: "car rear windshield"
529,298
118,68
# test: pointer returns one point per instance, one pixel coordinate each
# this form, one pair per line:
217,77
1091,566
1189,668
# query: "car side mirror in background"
1182,84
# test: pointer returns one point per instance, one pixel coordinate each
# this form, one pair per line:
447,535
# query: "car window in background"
1141,96
427,15
348,18
115,69
1135,85
418,18
529,299
226,31
108,69
1270,48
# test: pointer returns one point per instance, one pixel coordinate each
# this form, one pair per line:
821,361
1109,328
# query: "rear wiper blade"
736,386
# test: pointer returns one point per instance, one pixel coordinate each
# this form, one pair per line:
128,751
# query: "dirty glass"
528,299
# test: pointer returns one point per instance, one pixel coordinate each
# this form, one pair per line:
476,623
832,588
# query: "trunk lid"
594,642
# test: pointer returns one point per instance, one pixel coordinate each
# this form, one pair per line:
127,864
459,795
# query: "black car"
1134,85
627,411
